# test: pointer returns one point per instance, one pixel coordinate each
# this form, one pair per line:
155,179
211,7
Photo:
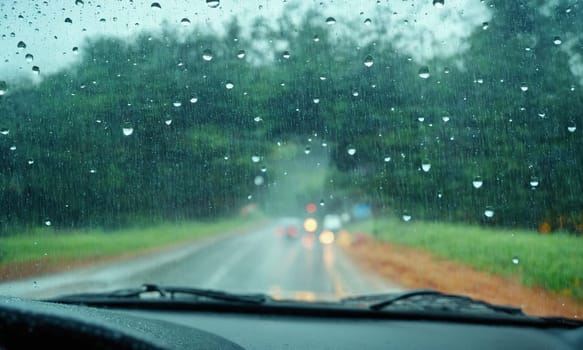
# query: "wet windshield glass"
309,150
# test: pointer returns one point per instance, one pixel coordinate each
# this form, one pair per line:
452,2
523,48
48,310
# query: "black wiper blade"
432,299
154,291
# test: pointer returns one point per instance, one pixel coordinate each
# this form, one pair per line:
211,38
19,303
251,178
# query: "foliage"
192,139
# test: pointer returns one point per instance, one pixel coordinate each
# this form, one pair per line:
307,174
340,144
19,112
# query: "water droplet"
168,121
330,20
351,151
263,169
307,150
229,85
92,171
534,182
4,131
36,70
185,22
285,55
571,127
255,159
324,144
355,93
485,25
241,54
387,159
156,5
48,223
421,119
477,183
79,2
75,50
213,3
30,161
426,166
424,72
523,86
13,148
194,100
322,203
3,87
68,20
21,45
207,55
367,21
445,118
177,103
29,57
515,260
557,40
489,213
259,180
316,100
316,38
127,131
368,61
406,217
438,3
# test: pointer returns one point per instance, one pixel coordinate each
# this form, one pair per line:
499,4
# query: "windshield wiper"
432,299
154,291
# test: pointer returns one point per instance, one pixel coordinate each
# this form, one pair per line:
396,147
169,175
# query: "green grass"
78,245
554,262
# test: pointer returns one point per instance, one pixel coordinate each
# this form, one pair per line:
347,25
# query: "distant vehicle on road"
332,222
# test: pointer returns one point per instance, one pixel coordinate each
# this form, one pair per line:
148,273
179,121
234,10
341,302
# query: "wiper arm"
150,291
431,299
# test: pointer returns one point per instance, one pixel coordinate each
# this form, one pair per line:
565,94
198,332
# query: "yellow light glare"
310,225
326,237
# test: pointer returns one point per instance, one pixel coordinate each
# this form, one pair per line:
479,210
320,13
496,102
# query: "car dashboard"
154,325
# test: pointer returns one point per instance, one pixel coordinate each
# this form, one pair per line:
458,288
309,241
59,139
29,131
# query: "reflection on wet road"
263,260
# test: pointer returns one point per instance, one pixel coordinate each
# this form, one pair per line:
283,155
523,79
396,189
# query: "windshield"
310,150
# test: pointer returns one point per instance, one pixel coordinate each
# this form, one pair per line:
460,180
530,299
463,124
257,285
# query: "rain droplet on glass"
156,5
515,260
351,151
424,72
255,159
307,150
557,40
229,85
68,20
406,217
213,3
207,55
489,213
36,70
29,57
285,55
523,87
177,103
438,3
368,61
21,45
127,131
4,131
241,54
534,182
330,20
426,166
185,22
193,100
485,25
571,127
259,180
477,182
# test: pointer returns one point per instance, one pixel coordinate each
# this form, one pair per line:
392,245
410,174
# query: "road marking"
225,267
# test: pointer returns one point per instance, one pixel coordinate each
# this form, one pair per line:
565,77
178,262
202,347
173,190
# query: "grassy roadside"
553,262
49,250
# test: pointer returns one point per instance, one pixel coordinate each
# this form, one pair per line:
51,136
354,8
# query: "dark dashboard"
25,323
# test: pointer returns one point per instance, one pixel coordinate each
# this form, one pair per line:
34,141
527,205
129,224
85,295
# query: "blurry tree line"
171,127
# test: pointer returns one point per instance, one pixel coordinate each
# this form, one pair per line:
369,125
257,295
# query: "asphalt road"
261,260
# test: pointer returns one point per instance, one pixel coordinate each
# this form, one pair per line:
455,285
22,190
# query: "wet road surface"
261,260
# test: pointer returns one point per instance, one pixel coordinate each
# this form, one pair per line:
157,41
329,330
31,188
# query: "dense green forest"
170,126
